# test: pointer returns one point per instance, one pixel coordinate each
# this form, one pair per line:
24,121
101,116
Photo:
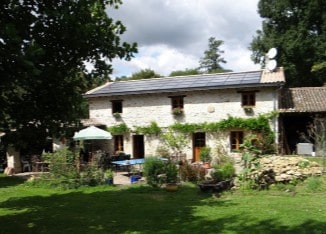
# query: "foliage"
142,74
91,176
191,173
64,173
109,174
223,172
261,124
175,140
171,172
205,154
61,164
250,151
304,163
118,129
117,115
185,128
317,131
221,155
152,129
297,30
177,111
212,57
314,184
153,167
163,152
186,72
43,49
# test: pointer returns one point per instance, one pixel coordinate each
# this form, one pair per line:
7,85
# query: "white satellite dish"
272,53
271,65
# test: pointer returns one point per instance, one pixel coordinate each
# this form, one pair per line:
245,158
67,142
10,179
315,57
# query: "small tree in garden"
250,150
176,141
153,167
205,154
317,131
63,171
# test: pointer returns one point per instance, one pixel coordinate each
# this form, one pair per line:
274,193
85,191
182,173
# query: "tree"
298,30
144,74
43,49
186,72
212,57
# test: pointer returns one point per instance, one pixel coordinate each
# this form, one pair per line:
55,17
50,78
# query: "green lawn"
140,209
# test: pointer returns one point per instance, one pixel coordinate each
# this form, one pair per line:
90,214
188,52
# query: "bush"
64,173
163,151
171,172
314,184
191,173
223,172
205,154
153,167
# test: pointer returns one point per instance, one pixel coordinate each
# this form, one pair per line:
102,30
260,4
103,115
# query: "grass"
141,209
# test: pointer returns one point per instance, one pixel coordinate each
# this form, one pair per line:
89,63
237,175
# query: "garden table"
132,162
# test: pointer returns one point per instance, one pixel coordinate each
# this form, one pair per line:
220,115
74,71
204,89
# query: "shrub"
153,167
64,173
205,154
171,172
223,172
163,151
191,173
313,184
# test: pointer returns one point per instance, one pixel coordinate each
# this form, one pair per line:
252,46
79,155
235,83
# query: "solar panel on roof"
180,83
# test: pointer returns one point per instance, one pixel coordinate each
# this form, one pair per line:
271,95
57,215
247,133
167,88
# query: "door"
199,141
138,146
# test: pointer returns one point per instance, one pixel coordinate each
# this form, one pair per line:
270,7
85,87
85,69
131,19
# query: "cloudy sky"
173,34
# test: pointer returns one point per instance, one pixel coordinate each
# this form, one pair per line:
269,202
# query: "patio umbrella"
92,133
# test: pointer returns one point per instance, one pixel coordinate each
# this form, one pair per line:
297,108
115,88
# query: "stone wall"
199,107
284,169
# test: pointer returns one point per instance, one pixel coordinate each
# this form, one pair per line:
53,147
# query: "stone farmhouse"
196,99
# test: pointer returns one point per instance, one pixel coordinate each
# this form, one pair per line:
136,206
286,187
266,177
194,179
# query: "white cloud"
173,35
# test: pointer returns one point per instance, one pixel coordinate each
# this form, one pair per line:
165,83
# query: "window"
118,143
116,106
177,102
248,99
236,139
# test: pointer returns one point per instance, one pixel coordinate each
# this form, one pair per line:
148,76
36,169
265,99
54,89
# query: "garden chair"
26,165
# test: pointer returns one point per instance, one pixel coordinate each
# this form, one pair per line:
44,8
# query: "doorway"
199,141
138,146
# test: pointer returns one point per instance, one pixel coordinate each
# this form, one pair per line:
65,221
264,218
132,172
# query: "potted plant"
117,115
177,111
109,176
221,178
205,156
248,109
171,176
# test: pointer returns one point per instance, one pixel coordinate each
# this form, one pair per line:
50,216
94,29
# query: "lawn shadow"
135,209
8,181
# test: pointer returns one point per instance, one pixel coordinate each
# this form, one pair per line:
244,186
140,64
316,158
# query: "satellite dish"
272,53
271,65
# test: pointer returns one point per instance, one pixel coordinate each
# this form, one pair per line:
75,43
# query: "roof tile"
303,99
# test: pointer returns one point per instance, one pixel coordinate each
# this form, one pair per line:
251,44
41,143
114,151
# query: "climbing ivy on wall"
119,129
259,124
152,129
